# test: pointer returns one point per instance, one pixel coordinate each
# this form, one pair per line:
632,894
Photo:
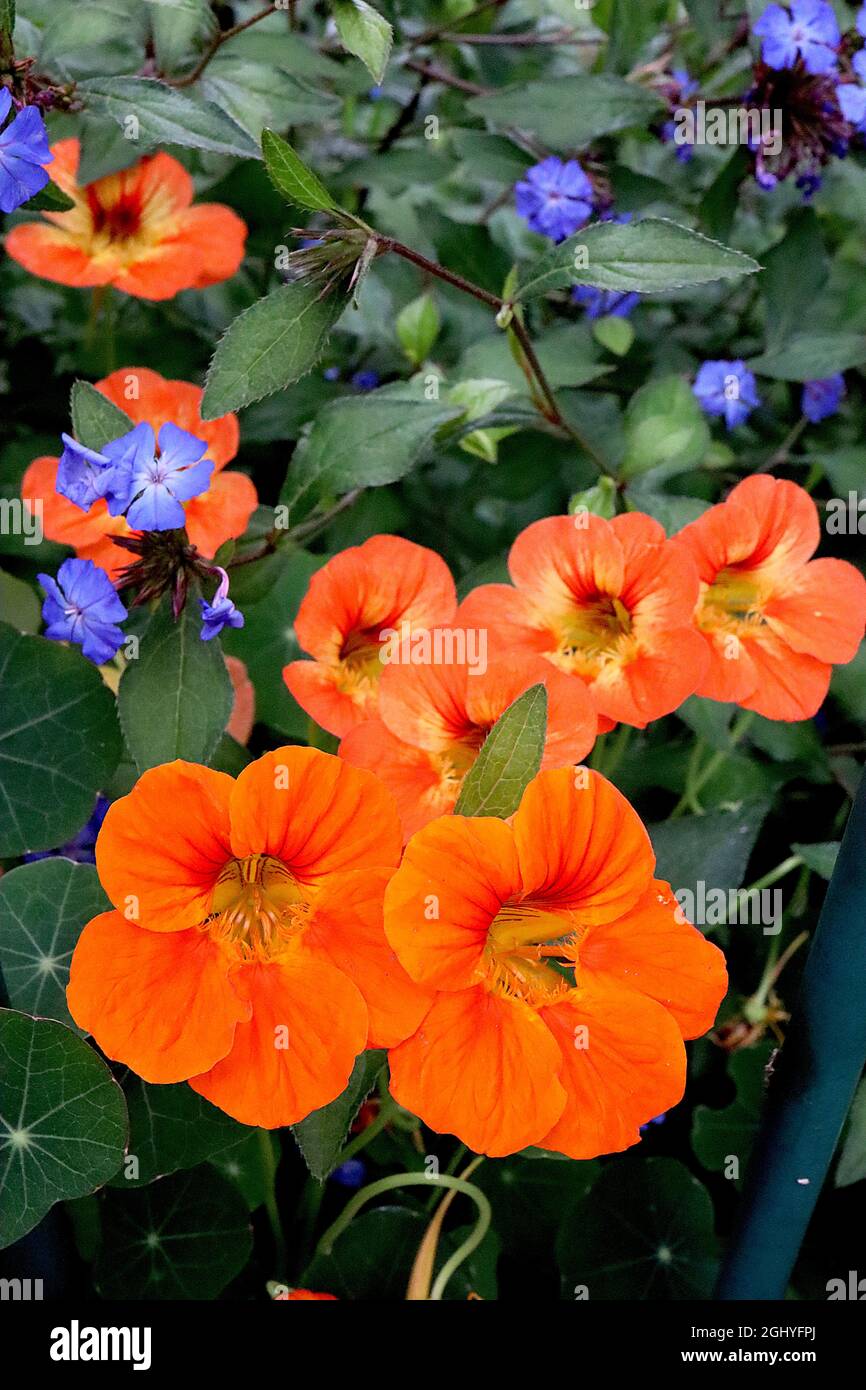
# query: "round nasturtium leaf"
171,1127
62,1120
43,908
59,741
184,1237
645,1231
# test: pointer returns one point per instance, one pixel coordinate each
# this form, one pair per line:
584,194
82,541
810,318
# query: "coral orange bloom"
435,718
566,974
774,620
609,602
355,604
213,517
246,953
136,230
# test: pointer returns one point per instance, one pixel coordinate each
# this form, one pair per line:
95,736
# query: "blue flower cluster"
728,389
23,152
806,31
147,487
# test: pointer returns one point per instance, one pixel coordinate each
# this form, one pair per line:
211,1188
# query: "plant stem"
386,1113
376,1189
695,780
215,45
810,1089
270,1169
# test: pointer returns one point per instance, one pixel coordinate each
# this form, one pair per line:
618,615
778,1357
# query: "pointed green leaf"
852,1160
510,758
570,112
175,700
322,1135
365,33
43,909
166,116
291,177
95,419
62,1120
650,256
273,343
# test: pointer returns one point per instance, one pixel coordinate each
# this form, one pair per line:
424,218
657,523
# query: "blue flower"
23,151
852,104
331,373
858,63
159,485
728,389
599,303
81,848
221,612
365,380
82,606
822,398
809,32
685,148
555,197
656,1120
350,1174
83,475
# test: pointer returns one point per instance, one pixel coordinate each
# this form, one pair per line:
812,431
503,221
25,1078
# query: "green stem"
386,1114
269,1165
810,1089
695,779
376,1189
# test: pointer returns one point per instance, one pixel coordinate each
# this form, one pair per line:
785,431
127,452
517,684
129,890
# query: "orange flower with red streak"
245,953
609,602
302,1296
566,976
136,230
215,516
774,620
354,605
434,719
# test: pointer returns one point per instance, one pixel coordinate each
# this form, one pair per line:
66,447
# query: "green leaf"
166,116
531,1197
795,273
62,1120
49,199
509,759
19,603
812,356
418,325
713,849
43,908
721,1135
273,343
852,1159
666,431
364,441
59,741
95,419
175,700
820,858
322,1135
650,256
7,16
180,32
568,113
614,333
251,1165
184,1237
364,33
291,176
171,1127
254,93
645,1231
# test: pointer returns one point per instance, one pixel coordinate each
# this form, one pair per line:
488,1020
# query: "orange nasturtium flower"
608,602
136,230
434,719
366,597
213,517
302,1295
774,620
246,952
566,975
